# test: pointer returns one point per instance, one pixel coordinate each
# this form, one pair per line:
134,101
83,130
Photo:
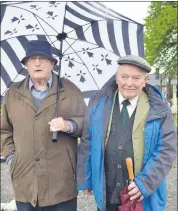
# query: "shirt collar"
133,102
49,83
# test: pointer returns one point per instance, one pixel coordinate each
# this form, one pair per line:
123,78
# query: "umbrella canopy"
94,37
127,204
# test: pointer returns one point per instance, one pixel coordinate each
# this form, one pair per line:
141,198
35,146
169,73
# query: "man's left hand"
59,124
134,192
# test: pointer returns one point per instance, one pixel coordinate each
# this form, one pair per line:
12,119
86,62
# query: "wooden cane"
129,165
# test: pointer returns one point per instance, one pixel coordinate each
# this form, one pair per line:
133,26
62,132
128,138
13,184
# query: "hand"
59,124
88,192
134,192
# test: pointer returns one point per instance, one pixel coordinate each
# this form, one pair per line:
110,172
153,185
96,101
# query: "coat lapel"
142,109
24,94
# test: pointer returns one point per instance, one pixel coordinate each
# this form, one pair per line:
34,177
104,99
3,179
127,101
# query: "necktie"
124,113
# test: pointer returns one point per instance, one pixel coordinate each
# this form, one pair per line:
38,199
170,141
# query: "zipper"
71,163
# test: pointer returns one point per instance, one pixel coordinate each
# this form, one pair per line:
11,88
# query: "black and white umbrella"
88,37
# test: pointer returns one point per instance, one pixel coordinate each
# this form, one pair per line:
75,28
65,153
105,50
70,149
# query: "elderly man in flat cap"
127,118
42,172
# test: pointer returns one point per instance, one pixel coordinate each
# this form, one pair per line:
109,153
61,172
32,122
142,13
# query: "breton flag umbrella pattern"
95,37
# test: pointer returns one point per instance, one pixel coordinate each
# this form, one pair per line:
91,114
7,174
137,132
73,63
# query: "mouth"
38,70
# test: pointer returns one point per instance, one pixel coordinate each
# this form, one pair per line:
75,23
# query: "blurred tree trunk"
169,95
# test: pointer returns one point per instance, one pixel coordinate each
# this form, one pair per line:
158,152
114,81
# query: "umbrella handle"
54,137
129,164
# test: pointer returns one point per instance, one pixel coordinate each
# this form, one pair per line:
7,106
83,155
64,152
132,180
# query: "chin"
129,96
38,75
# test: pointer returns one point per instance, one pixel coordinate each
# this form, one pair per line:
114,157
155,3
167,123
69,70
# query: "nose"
129,81
37,61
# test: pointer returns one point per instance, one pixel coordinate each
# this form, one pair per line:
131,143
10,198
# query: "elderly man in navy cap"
127,118
42,172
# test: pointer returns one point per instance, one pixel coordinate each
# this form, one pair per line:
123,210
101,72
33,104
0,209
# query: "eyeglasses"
40,58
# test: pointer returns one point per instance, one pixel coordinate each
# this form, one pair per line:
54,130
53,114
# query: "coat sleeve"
7,143
84,155
78,114
160,163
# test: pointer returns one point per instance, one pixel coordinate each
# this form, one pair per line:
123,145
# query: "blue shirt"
38,93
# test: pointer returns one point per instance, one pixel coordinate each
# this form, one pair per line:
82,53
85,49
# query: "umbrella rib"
36,16
76,39
91,43
13,80
81,51
81,41
44,30
77,28
100,21
84,65
85,40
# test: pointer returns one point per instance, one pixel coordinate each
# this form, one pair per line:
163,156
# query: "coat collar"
158,105
24,94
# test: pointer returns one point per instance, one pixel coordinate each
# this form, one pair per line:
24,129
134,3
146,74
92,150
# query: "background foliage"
161,37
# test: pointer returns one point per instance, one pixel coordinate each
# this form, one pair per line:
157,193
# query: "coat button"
119,166
120,147
117,200
36,117
37,159
118,184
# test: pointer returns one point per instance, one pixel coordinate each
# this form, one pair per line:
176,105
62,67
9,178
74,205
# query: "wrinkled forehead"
130,70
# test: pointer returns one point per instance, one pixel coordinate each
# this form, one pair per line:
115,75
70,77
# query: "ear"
116,78
147,78
53,64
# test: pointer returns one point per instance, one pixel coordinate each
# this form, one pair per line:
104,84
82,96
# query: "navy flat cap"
136,61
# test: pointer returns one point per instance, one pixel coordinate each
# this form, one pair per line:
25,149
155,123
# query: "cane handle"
129,164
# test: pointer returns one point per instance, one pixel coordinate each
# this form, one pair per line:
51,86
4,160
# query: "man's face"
39,67
130,80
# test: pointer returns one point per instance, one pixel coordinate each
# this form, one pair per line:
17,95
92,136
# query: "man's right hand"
88,192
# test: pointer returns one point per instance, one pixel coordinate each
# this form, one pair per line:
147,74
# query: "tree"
161,37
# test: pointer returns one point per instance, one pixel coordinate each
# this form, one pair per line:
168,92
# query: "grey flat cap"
136,61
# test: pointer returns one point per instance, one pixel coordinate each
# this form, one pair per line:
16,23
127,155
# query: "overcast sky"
134,10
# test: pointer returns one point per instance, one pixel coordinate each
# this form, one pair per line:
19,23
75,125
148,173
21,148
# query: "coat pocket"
72,165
